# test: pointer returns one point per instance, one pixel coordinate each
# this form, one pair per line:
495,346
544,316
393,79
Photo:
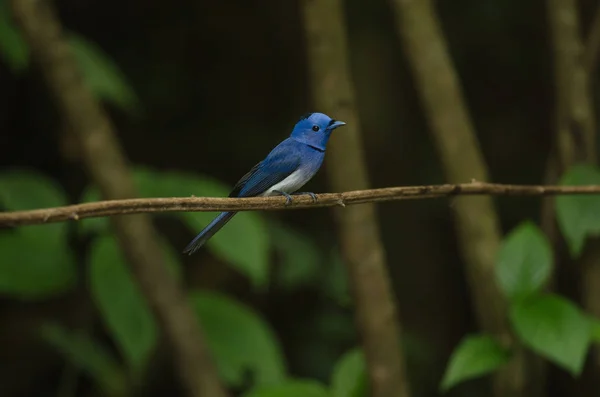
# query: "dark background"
220,83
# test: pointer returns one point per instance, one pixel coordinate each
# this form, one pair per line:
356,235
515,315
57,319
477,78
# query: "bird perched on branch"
286,169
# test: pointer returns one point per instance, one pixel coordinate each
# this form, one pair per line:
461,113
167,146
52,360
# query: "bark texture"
363,252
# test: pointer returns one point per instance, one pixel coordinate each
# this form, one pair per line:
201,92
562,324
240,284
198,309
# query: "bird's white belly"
293,182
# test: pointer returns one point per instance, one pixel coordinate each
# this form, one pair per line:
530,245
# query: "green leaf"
102,75
595,329
349,376
291,388
243,242
33,267
299,257
475,356
524,261
555,328
239,340
25,190
118,298
13,48
36,260
579,215
89,355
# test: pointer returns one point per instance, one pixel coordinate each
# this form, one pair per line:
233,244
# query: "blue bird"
286,169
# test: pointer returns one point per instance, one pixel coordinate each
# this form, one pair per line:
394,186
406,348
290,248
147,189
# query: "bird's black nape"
306,115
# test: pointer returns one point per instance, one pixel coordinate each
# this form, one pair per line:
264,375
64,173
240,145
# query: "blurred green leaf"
36,260
239,340
291,388
579,215
13,48
555,328
243,242
475,356
299,257
25,190
102,75
100,72
119,300
595,329
89,355
33,267
524,261
349,376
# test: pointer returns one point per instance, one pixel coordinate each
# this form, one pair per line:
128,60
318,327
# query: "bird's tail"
208,232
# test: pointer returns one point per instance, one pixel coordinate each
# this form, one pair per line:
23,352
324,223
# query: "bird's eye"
315,128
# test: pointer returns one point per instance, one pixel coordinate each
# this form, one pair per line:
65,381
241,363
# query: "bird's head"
314,129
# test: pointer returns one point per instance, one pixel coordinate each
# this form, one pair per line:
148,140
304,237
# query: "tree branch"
593,43
477,223
376,315
576,127
217,204
107,166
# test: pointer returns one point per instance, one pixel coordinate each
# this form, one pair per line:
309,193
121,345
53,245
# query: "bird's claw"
288,198
311,194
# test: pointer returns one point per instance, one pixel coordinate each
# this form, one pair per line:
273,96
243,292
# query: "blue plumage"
289,166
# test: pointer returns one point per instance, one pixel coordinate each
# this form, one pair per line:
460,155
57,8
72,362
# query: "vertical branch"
476,219
575,120
574,112
593,43
106,164
363,252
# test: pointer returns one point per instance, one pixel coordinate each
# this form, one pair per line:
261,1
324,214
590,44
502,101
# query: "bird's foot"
311,194
288,198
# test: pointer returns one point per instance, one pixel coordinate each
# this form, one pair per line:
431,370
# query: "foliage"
100,73
243,242
475,356
549,324
238,337
524,262
579,215
239,340
348,379
122,306
555,328
12,46
36,261
291,388
349,375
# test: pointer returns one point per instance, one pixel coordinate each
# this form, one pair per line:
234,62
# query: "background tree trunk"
107,166
362,250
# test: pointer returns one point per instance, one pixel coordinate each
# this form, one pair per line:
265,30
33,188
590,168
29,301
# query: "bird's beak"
337,124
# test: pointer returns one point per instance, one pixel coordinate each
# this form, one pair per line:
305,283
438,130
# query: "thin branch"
106,164
217,204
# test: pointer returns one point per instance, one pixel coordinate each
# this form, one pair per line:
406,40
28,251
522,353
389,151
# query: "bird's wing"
276,167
